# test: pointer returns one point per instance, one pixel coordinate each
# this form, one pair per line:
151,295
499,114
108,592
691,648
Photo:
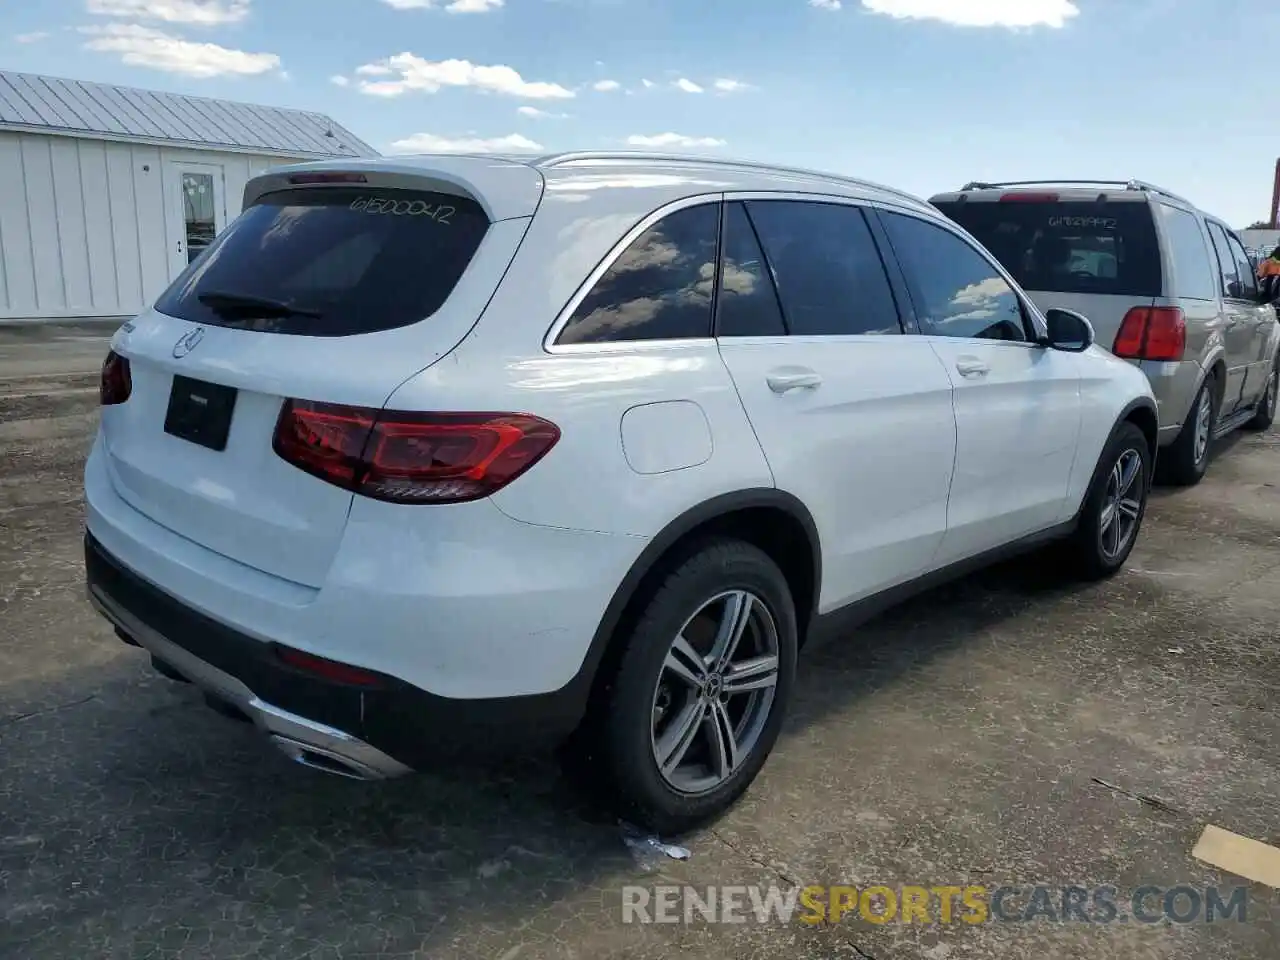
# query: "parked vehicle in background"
1165,286
437,454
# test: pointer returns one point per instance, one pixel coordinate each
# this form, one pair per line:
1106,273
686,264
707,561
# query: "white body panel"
245,502
1017,410
898,460
868,448
460,600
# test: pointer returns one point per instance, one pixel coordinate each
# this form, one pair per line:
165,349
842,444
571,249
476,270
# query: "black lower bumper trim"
408,723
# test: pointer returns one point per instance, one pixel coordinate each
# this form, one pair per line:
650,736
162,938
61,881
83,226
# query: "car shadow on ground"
142,785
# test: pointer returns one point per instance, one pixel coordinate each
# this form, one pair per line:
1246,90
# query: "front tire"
1115,505
701,689
1184,461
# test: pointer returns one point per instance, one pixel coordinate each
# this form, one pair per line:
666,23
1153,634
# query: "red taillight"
328,178
411,457
325,669
1152,333
1024,197
116,384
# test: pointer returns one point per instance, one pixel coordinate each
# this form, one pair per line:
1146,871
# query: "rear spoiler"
504,189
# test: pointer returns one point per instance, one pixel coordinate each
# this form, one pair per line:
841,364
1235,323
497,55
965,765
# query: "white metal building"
107,192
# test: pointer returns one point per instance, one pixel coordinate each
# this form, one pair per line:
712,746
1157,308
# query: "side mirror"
1068,330
1235,289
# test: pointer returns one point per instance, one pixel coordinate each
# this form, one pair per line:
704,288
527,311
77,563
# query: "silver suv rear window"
331,262
1068,246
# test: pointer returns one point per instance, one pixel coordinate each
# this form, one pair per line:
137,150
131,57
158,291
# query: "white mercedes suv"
428,455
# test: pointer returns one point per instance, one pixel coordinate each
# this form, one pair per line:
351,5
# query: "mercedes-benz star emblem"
187,343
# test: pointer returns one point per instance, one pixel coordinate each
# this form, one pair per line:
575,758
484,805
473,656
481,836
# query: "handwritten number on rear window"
389,206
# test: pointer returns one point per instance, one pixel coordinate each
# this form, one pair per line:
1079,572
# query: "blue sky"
921,94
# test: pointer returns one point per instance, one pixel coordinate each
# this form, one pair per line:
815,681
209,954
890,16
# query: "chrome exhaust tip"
326,761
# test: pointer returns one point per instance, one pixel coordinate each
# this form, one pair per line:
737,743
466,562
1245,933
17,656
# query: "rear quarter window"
331,262
1194,264
1087,247
659,288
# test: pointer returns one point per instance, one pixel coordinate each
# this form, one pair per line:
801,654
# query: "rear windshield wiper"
239,304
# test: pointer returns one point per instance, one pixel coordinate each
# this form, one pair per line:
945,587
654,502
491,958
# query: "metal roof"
39,104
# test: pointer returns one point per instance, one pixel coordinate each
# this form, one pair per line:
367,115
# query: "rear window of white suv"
1065,246
330,262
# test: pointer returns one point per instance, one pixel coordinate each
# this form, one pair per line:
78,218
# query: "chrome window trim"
584,289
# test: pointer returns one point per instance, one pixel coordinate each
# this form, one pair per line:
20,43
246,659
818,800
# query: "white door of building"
195,208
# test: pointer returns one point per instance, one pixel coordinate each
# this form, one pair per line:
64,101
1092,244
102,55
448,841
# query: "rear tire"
663,686
1184,461
1266,412
1115,505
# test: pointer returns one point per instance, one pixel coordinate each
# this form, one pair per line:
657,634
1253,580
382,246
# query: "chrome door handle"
972,367
798,380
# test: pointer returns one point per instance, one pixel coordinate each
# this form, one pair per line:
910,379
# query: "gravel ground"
997,731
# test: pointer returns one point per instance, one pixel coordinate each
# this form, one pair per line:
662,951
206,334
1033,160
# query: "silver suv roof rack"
557,159
1126,184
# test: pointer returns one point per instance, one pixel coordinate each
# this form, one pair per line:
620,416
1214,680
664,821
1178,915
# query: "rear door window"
1227,267
748,303
829,274
1195,266
329,262
1085,247
660,288
1246,272
958,292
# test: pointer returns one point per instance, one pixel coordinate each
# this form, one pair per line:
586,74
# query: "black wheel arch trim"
580,687
1142,403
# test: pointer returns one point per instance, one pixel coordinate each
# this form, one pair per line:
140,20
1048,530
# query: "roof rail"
1126,184
555,159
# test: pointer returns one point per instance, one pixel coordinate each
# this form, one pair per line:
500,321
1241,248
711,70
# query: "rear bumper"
369,733
1174,386
461,601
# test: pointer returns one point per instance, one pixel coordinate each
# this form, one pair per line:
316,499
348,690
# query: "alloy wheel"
715,692
1204,424
1122,503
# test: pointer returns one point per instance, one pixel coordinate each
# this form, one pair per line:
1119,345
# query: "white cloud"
143,47
431,143
35,37
203,13
648,84
338,80
474,6
688,86
825,4
725,85
672,140
537,114
980,13
454,6
430,76
606,86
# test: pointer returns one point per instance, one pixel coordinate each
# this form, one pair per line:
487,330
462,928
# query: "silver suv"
1165,285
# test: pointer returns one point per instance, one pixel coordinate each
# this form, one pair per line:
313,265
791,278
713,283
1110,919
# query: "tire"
1098,549
1266,412
1184,461
647,699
